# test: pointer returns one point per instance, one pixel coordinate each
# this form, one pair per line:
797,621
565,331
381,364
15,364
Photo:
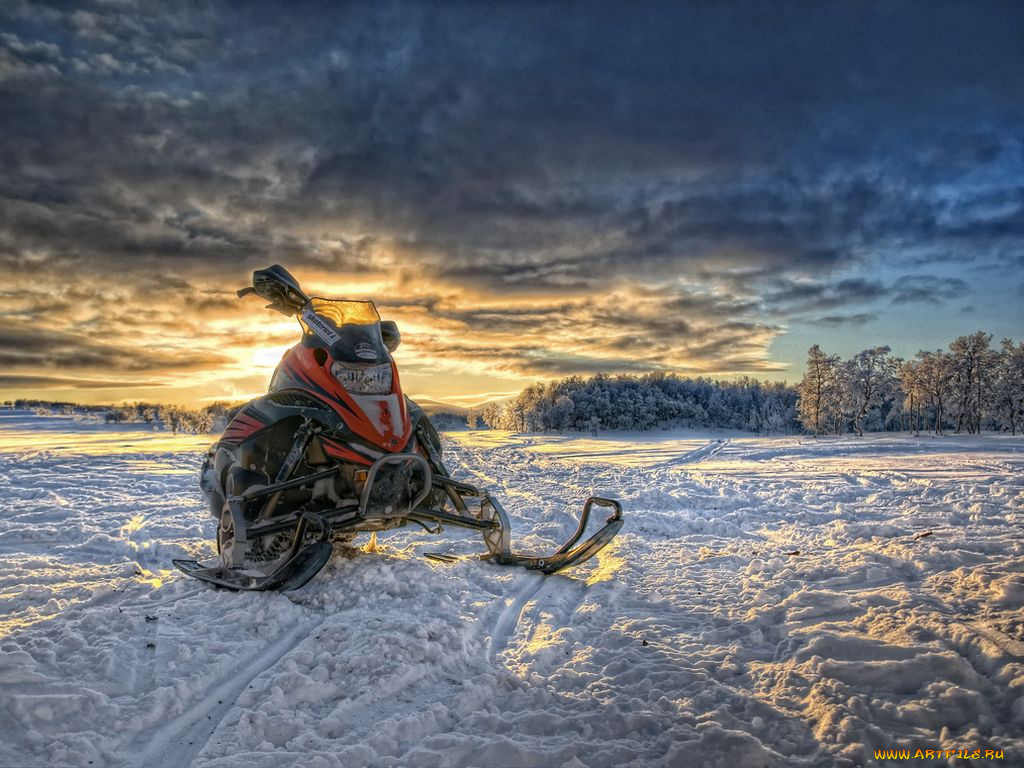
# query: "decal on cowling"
387,426
302,381
320,326
348,452
241,427
384,412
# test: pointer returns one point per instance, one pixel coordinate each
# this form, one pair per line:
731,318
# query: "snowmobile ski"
565,557
300,565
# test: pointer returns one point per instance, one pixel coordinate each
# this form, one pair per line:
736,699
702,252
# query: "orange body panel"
301,368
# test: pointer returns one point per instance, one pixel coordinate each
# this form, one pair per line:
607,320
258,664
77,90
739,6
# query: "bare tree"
173,418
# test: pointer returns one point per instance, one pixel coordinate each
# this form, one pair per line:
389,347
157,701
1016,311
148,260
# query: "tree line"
968,387
173,418
650,401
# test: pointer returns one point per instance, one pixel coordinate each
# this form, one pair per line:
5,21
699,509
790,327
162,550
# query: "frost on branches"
967,388
653,401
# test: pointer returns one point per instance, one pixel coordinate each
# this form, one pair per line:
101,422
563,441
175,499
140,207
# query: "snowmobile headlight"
363,379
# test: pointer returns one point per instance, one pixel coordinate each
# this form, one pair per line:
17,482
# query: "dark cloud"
25,346
928,289
33,381
651,327
804,296
641,332
573,365
490,136
840,321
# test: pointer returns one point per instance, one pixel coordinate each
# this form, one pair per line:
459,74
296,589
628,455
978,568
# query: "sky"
530,190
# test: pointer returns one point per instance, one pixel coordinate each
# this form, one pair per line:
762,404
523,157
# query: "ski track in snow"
180,740
510,614
770,601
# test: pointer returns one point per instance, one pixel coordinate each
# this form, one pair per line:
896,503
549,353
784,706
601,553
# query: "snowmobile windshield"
349,329
343,312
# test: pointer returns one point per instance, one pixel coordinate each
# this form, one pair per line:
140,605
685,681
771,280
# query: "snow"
771,601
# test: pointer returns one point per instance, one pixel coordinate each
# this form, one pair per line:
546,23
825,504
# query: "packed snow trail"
772,601
177,742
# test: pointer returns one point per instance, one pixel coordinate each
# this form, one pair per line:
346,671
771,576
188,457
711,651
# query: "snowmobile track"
712,449
364,712
545,613
411,692
185,736
1010,647
168,601
508,619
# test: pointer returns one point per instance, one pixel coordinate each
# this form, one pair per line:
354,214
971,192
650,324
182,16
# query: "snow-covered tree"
1008,387
869,379
818,390
913,393
973,364
656,400
935,374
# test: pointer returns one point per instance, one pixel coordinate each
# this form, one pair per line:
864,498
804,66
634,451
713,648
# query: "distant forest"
651,401
174,418
968,387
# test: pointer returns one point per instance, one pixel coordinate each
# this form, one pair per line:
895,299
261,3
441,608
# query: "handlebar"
276,285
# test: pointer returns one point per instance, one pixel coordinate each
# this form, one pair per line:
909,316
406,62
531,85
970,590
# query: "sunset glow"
619,193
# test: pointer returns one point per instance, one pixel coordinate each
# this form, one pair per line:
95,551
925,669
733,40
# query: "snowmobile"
335,449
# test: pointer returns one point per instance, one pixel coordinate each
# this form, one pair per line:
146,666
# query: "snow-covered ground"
771,601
